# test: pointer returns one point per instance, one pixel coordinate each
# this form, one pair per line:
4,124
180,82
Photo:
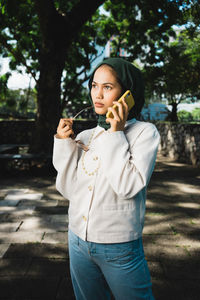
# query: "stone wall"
16,132
20,132
179,141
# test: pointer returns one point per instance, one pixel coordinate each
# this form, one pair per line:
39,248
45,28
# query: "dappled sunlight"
171,229
54,195
31,223
188,205
173,163
9,227
37,227
183,187
45,224
158,227
17,210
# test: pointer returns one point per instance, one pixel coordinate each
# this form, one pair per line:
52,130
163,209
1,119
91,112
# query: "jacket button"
90,187
84,218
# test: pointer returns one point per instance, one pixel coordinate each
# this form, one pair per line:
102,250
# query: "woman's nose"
99,94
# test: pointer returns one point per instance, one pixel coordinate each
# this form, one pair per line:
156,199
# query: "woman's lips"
98,104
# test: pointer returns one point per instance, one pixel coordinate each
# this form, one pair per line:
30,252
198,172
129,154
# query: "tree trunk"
48,100
173,115
57,32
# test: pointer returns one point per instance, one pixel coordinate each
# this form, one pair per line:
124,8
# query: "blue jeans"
96,269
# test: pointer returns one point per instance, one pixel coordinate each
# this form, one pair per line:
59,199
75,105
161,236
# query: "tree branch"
17,55
82,11
46,11
57,26
86,77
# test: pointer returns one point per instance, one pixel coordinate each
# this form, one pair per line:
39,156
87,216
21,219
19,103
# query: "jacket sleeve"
128,168
65,157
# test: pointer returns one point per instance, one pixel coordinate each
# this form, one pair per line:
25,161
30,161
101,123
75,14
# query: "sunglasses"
79,143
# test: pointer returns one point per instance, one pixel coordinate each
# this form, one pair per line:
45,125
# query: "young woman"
104,174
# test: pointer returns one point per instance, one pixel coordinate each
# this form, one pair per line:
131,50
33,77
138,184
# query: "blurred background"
49,48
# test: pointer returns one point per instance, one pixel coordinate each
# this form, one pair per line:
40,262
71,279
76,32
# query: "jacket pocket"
124,253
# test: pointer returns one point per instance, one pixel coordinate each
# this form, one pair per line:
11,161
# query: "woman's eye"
94,85
107,87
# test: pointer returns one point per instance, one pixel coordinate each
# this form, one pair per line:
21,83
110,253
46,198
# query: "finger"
66,128
67,133
114,112
68,122
62,130
109,120
113,122
125,106
61,123
120,109
70,132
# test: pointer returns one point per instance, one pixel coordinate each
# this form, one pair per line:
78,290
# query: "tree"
49,37
177,78
18,104
146,31
57,33
59,24
141,27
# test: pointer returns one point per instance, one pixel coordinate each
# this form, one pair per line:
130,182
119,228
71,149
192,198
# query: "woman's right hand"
64,129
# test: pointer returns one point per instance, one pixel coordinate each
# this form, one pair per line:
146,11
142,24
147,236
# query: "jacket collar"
99,130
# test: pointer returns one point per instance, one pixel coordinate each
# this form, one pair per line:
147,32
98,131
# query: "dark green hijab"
130,78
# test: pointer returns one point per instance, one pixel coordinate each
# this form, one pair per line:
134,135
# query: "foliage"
196,114
177,77
3,85
185,116
58,46
18,104
142,27
20,37
21,42
83,53
170,60
39,35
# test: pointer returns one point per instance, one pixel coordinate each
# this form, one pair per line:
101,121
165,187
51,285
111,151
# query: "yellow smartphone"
128,97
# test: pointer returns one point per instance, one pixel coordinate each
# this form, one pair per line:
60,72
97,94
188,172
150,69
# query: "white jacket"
106,186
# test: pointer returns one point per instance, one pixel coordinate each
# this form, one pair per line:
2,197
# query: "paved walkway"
33,236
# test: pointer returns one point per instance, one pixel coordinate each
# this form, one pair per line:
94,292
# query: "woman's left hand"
118,122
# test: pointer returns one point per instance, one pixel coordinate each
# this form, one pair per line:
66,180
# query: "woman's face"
105,89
